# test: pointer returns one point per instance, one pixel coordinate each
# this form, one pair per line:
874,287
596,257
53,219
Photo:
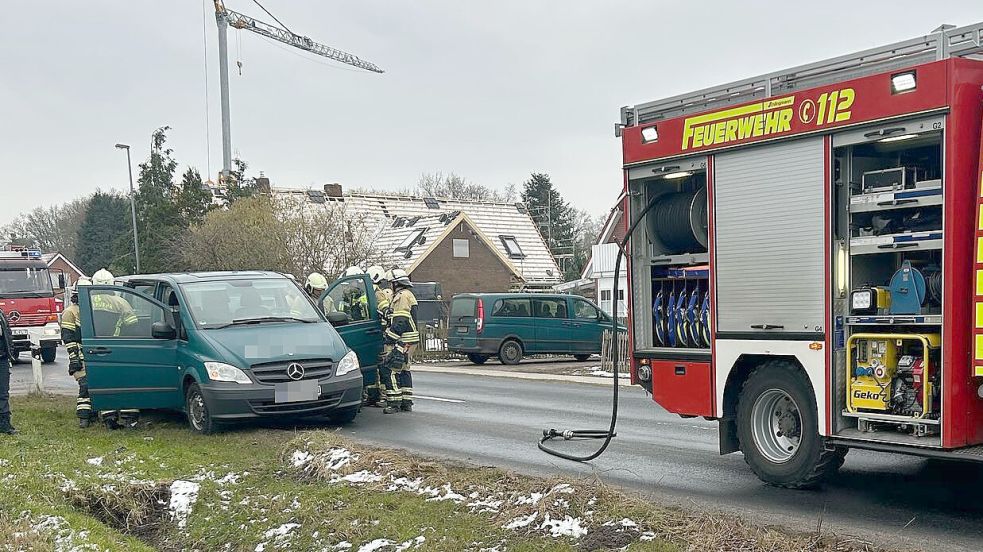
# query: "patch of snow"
97,461
363,476
338,457
566,527
449,494
183,496
4,462
520,522
300,458
531,500
563,488
65,538
487,505
343,545
281,531
377,544
647,536
229,479
412,543
405,484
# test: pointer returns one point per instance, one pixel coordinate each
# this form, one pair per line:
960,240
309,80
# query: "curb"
591,380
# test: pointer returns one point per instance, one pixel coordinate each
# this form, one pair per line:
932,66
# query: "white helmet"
316,281
376,273
399,276
103,277
353,271
82,281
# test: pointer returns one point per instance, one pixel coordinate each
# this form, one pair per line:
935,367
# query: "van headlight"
220,371
348,364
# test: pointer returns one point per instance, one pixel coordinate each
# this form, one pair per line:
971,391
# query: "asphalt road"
897,500
892,499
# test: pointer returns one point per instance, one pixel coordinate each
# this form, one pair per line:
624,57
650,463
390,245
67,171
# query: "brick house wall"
481,271
71,275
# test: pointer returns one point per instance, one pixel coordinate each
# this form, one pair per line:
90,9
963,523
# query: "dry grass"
599,507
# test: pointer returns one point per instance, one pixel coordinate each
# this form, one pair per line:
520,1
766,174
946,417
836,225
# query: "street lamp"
133,204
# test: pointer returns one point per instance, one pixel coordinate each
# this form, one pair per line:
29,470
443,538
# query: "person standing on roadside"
400,337
71,336
6,348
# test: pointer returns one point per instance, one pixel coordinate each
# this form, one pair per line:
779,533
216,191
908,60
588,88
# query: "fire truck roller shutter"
769,207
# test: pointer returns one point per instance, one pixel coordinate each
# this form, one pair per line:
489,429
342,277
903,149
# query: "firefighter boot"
407,406
84,423
6,428
391,409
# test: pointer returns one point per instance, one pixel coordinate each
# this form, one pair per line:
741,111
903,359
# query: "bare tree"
454,186
53,228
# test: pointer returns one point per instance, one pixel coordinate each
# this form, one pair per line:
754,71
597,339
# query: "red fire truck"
810,268
29,302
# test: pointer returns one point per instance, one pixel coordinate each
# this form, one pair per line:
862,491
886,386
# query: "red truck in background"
28,300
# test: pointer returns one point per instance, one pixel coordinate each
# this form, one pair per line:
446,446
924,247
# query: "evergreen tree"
554,217
105,236
239,186
194,200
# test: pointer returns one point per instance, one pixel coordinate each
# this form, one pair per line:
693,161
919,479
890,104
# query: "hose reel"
679,221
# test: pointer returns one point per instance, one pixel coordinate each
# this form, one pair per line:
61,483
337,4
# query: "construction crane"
225,18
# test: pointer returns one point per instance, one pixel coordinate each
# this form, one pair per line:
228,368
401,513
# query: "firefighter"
71,336
108,307
400,337
315,286
372,395
6,356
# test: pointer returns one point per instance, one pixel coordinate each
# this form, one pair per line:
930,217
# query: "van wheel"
778,431
510,352
478,358
199,418
581,358
48,355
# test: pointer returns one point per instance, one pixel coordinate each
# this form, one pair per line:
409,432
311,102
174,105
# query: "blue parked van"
511,325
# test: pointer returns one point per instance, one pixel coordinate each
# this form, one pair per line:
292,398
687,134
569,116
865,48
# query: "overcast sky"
491,91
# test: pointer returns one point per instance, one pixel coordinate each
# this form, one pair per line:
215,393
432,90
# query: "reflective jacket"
402,321
116,305
71,325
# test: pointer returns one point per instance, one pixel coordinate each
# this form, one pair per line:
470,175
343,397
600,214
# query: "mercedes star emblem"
295,371
14,316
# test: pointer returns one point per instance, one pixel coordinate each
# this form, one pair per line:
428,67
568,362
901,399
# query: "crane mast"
225,18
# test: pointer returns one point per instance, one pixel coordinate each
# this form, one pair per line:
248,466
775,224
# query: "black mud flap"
727,433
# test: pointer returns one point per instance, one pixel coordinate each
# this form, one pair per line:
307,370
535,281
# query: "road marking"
436,399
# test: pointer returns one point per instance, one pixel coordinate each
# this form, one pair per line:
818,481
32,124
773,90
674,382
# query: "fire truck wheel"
48,355
477,358
778,431
510,352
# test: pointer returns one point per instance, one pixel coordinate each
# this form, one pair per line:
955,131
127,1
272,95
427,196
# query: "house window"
462,249
512,247
606,294
411,240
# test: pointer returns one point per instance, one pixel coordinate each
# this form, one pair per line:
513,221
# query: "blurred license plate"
296,391
18,331
462,329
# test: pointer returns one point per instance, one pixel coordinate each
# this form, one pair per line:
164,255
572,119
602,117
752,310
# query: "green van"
219,346
511,325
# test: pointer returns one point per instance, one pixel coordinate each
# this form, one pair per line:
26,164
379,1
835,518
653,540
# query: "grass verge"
160,487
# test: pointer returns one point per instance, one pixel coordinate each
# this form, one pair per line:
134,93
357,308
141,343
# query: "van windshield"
230,302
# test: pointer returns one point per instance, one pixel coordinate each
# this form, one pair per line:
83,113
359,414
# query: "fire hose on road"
609,433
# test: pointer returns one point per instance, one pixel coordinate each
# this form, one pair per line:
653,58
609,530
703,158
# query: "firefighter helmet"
400,277
376,273
316,282
354,270
103,277
83,281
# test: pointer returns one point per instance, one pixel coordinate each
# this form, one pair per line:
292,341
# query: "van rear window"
463,307
512,308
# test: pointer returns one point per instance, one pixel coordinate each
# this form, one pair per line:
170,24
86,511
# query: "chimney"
333,190
263,185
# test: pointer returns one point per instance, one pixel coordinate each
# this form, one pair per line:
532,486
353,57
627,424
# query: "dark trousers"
5,388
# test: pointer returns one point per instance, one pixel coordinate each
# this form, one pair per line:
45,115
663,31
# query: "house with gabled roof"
466,245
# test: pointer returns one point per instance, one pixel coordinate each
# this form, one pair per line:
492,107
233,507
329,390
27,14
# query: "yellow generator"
893,374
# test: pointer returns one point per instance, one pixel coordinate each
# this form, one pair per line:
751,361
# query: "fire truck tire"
477,358
48,355
778,430
510,352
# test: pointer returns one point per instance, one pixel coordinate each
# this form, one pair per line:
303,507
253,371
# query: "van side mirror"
338,318
162,330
